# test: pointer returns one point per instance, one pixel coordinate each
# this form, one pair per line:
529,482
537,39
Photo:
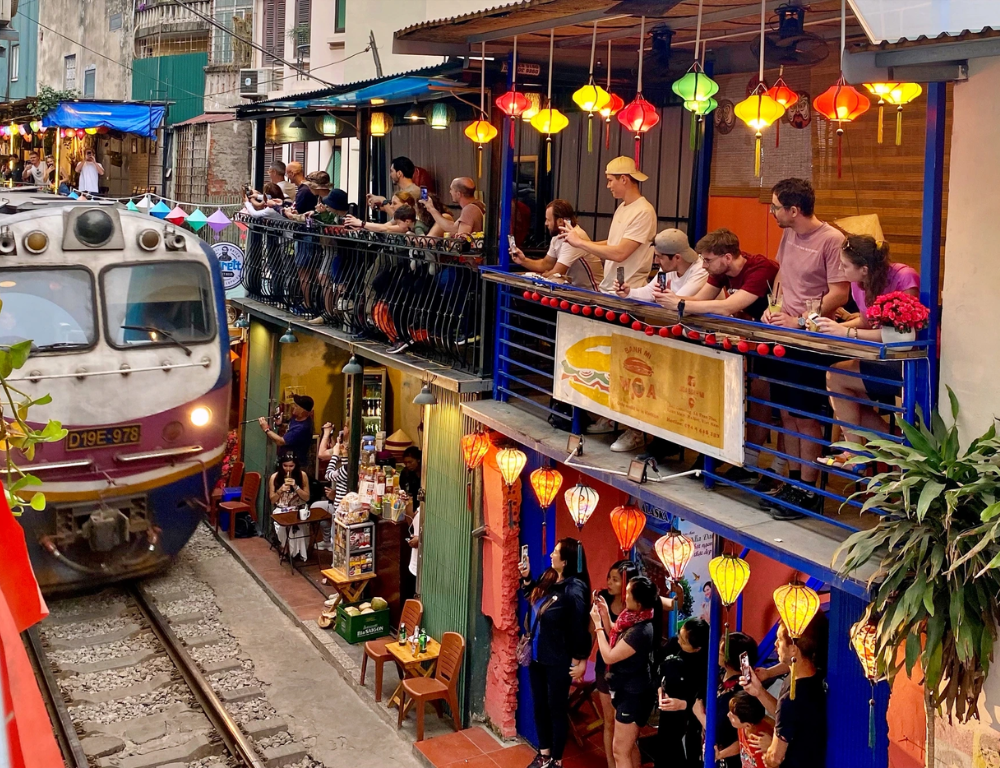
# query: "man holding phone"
582,269
89,172
682,271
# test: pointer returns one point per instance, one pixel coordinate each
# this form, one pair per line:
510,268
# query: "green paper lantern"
695,88
701,107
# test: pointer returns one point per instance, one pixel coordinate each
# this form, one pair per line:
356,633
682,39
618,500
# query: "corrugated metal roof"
209,117
469,16
944,37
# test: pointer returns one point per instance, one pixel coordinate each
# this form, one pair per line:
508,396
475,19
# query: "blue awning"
141,119
397,89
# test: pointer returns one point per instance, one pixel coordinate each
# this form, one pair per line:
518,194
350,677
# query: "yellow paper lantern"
381,124
534,106
758,111
881,90
864,640
591,97
730,575
481,132
797,605
902,94
546,483
581,501
511,461
549,121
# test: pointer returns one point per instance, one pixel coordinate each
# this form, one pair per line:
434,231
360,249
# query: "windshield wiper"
151,329
58,345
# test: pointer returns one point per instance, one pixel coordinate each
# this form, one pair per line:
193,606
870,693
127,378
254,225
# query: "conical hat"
398,442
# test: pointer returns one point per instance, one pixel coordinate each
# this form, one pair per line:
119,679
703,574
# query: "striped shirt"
336,475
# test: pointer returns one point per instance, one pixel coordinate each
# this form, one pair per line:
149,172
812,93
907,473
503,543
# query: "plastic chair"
443,686
582,694
413,613
218,494
247,503
235,474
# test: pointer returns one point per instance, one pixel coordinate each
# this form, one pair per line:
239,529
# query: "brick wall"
228,157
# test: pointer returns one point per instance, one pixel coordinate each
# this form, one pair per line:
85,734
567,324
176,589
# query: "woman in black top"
727,745
627,647
560,645
614,597
682,676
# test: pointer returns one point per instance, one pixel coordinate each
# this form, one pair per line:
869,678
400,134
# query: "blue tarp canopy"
401,88
140,119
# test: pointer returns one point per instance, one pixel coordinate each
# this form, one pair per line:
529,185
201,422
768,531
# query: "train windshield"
159,303
52,307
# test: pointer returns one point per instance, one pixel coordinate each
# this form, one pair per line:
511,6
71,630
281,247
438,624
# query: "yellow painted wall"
405,415
313,368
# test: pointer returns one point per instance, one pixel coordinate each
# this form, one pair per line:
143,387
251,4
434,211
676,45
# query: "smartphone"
423,193
745,665
511,244
524,554
621,275
661,280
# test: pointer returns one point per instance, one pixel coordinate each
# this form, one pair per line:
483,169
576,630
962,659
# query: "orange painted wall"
749,219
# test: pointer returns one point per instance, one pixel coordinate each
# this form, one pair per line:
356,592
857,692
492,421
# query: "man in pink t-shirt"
809,268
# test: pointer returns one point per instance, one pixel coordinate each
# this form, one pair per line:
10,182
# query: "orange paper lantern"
675,551
841,103
627,523
786,97
546,483
475,445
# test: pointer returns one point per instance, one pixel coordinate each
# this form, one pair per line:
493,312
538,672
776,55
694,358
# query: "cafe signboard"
688,394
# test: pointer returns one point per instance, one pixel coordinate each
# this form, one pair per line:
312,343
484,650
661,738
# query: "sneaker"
318,320
398,347
741,476
768,485
630,440
323,546
540,761
783,494
602,426
795,496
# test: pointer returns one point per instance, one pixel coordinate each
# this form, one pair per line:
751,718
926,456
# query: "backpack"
244,526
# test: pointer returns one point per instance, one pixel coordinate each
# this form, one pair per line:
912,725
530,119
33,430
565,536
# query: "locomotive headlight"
94,228
36,242
149,239
200,416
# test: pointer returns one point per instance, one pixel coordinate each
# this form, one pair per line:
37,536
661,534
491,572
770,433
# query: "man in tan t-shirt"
630,239
470,220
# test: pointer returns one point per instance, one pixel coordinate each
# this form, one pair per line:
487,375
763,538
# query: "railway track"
134,678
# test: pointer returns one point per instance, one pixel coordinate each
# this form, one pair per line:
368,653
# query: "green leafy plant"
937,550
49,98
16,435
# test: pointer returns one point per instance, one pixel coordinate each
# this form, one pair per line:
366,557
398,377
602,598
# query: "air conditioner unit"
257,82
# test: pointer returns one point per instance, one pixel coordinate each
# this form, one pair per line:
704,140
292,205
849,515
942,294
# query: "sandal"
838,461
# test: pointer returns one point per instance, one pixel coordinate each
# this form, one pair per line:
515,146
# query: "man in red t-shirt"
738,282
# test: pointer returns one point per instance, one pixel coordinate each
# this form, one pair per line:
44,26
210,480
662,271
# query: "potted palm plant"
937,548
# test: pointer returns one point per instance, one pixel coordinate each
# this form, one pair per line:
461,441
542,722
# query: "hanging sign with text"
684,393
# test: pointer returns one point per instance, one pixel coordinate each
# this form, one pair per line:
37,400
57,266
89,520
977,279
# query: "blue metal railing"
526,368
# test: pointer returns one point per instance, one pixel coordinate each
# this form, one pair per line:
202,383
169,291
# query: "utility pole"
371,42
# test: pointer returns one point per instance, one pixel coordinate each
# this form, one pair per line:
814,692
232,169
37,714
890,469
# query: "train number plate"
102,437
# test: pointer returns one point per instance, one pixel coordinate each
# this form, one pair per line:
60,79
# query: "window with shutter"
274,30
303,12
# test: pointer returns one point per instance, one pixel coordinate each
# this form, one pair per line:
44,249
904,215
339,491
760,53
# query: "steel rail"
236,741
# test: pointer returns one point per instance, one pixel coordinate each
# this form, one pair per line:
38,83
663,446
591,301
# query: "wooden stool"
580,695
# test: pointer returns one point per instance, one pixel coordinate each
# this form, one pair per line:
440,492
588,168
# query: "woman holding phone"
289,488
739,653
335,452
560,644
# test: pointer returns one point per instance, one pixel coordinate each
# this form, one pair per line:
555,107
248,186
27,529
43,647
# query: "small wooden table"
291,519
413,665
350,588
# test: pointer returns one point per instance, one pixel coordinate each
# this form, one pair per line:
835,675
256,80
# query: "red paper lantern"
727,344
710,339
650,331
564,305
694,335
474,448
743,346
763,349
546,483
779,351
638,117
636,325
677,330
575,309
624,319
627,523
80,133
610,316
841,103
545,301
587,311
599,312
535,297
527,295
664,332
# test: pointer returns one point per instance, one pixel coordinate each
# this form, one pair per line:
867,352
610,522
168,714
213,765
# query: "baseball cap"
625,166
303,401
673,242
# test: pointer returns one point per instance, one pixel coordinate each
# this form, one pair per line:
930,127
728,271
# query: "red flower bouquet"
898,310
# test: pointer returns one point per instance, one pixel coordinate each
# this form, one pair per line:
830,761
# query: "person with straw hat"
630,240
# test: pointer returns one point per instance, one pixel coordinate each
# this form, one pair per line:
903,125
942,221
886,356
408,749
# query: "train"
127,318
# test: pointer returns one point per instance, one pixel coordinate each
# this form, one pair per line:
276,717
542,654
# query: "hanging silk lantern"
881,90
511,461
797,605
329,125
785,96
697,90
902,94
627,522
80,133
546,483
591,98
481,131
35,126
549,121
475,446
613,107
730,575
864,636
581,501
841,103
639,116
381,124
534,106
90,131
675,551
758,111
513,103
440,115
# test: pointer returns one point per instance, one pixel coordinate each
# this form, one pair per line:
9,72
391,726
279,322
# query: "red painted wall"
749,219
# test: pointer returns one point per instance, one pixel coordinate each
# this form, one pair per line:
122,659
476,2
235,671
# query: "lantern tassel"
881,110
607,133
899,125
579,556
512,121
871,719
840,152
777,133
638,138
791,685
479,162
694,130
590,133
725,636
756,156
548,154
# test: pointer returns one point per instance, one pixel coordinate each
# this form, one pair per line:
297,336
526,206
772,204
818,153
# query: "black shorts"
882,369
789,382
633,707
